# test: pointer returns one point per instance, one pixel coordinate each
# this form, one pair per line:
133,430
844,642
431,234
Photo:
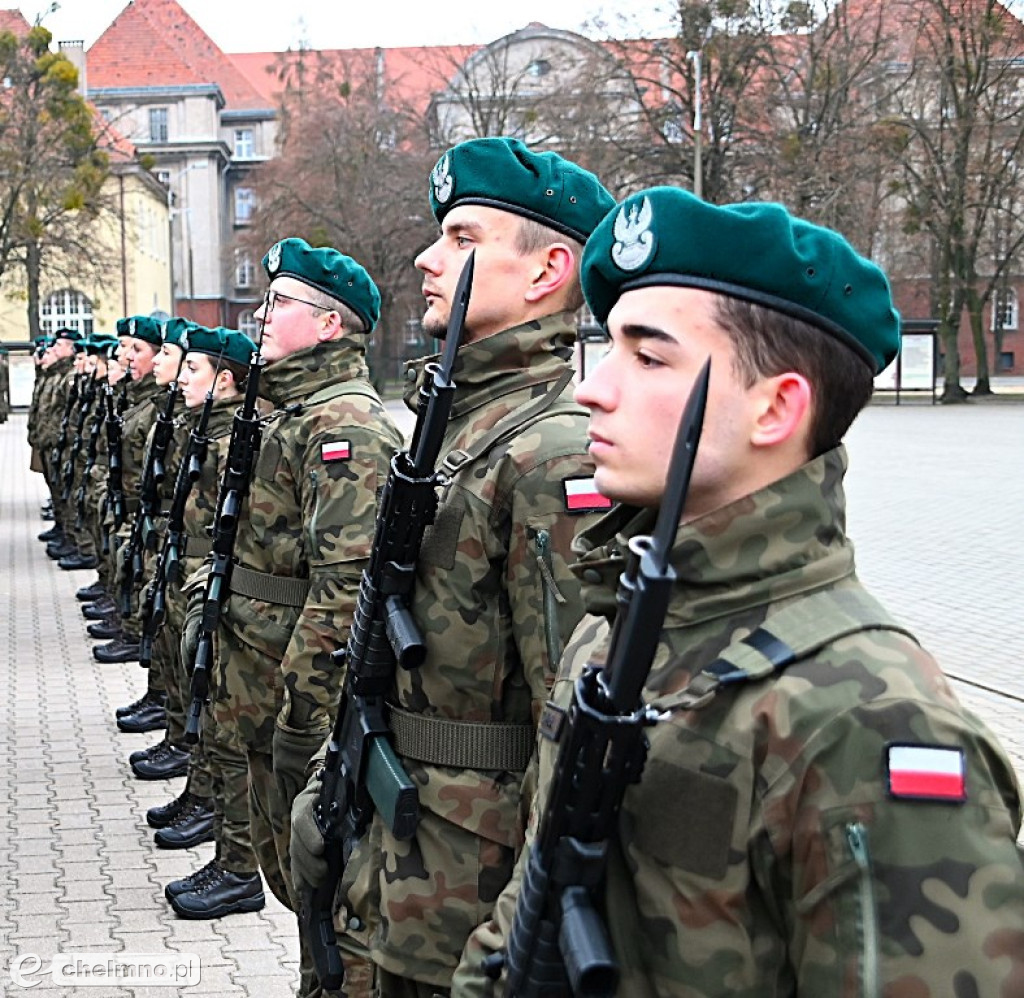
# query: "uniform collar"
779,542
525,355
305,372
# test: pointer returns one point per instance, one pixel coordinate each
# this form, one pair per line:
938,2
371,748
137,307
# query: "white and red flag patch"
337,450
581,496
926,772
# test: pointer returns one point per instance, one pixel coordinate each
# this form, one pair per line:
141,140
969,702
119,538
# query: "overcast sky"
262,25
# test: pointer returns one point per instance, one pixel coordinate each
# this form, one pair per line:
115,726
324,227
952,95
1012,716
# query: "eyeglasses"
271,298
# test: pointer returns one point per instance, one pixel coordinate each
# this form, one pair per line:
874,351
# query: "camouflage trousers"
388,985
228,766
270,822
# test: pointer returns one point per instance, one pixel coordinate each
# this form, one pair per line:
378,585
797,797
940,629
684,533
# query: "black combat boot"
167,762
193,825
53,534
192,881
78,561
166,814
147,698
220,893
104,629
152,717
118,650
91,592
101,609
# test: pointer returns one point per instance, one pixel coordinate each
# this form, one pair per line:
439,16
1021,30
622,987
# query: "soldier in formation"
817,814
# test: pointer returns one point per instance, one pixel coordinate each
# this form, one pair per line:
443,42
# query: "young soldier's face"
140,357
290,323
660,339
501,275
197,375
166,363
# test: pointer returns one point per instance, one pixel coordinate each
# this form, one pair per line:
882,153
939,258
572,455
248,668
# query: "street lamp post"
694,56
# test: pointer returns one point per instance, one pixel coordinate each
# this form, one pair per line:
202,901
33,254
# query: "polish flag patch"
926,772
338,450
581,496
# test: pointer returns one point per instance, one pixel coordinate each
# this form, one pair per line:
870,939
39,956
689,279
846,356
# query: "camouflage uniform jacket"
762,852
495,601
310,515
147,402
52,399
201,504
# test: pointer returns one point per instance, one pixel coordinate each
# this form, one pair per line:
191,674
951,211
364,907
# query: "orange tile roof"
412,72
14,21
154,43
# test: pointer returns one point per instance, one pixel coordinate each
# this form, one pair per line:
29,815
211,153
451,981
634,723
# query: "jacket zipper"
552,597
316,510
857,837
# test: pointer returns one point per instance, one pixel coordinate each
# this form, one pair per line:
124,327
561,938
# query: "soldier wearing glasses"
305,532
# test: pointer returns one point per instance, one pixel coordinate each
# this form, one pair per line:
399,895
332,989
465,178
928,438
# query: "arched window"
247,324
67,308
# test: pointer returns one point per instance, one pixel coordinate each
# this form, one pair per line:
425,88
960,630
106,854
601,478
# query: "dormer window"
538,68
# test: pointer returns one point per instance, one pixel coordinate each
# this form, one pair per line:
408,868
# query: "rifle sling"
280,589
440,741
512,423
198,547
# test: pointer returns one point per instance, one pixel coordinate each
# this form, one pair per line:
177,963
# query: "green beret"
63,333
756,251
329,271
173,329
503,173
219,343
140,327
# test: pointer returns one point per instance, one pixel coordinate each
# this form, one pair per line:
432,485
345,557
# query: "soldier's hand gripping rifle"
361,772
57,453
86,396
90,460
115,459
153,610
558,943
243,448
143,533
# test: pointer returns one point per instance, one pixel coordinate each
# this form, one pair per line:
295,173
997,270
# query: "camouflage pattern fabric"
762,852
494,598
309,515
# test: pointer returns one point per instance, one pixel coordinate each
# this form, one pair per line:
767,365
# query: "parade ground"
936,509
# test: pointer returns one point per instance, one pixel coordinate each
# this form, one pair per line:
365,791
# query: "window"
164,176
158,124
1005,310
1006,360
247,324
244,148
244,204
245,271
538,68
66,308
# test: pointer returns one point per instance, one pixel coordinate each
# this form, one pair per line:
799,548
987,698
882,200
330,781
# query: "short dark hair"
532,236
767,343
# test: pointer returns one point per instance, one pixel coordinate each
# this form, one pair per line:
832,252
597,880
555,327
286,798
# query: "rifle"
243,448
90,463
86,397
558,943
65,421
361,772
154,604
115,459
143,533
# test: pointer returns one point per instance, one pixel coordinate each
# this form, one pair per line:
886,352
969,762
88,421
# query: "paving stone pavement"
937,511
